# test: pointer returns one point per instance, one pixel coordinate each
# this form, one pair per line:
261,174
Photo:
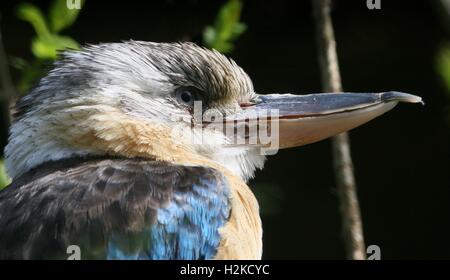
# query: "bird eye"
187,96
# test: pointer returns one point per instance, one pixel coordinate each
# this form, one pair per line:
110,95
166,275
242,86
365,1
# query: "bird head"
172,102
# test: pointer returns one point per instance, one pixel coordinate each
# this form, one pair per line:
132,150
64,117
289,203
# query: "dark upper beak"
304,119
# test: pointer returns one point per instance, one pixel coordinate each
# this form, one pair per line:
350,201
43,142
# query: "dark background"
402,159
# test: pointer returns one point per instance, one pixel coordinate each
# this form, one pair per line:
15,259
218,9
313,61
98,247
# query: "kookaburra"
128,150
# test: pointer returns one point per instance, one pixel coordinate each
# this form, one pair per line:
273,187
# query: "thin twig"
342,161
6,86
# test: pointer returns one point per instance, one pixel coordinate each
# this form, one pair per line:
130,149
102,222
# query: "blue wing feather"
188,227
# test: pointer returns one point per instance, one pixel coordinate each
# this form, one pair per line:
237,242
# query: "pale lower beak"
304,119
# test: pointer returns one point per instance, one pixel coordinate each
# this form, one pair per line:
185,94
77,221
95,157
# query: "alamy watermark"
373,4
73,252
250,127
373,252
73,4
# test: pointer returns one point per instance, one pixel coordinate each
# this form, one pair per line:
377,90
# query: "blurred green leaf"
46,47
443,68
443,63
33,15
61,16
4,179
30,73
47,42
226,27
17,62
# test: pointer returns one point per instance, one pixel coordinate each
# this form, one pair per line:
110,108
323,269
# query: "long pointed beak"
304,119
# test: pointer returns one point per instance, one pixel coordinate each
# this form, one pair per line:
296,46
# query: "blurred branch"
6,87
343,166
7,93
7,90
442,8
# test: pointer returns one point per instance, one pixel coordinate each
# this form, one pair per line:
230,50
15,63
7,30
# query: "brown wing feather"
83,201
